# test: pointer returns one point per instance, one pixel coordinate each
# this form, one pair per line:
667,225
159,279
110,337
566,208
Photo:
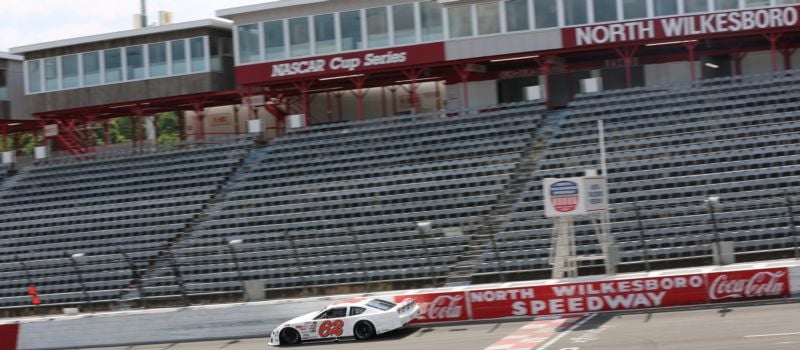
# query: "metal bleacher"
83,231
669,148
338,204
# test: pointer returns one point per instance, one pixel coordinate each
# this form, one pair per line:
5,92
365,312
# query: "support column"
303,87
413,75
692,69
787,53
383,101
463,74
360,93
5,138
90,140
438,97
626,53
106,133
339,108
773,48
393,90
135,129
199,120
236,119
329,106
17,144
545,66
737,57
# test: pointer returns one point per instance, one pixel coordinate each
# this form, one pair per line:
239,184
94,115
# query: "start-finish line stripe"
533,334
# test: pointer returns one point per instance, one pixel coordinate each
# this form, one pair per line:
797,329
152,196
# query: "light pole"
364,274
135,278
790,207
74,258
424,228
232,244
642,242
713,202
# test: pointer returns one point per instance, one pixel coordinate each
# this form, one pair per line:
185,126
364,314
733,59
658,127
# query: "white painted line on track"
570,329
770,335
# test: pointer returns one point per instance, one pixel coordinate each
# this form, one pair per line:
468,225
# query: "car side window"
336,313
355,310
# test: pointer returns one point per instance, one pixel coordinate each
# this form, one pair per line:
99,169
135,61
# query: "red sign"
682,27
607,295
8,336
439,307
586,297
748,285
342,64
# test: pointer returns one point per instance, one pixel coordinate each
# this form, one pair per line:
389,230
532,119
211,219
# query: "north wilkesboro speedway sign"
602,295
682,27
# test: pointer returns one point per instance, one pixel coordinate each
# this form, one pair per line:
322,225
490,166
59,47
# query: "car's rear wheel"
364,330
290,336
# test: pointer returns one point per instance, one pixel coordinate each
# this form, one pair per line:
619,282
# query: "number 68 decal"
331,328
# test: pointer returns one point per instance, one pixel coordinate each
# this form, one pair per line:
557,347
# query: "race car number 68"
331,328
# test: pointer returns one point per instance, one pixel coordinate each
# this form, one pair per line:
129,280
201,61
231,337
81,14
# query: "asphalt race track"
773,326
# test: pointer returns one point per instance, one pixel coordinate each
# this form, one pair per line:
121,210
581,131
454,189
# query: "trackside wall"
769,280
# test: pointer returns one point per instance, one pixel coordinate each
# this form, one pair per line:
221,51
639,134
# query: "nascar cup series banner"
605,295
575,196
343,64
683,27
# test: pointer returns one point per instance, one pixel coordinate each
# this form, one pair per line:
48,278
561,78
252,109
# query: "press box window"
404,26
546,13
299,40
157,59
488,18
575,12
91,68
197,50
273,40
605,10
431,20
51,74
324,34
247,36
633,9
350,27
459,21
517,15
69,72
34,76
178,51
377,27
134,58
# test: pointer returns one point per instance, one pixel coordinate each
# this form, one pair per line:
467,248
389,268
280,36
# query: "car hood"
303,318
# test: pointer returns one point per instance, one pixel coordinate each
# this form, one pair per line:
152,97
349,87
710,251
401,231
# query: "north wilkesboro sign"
682,27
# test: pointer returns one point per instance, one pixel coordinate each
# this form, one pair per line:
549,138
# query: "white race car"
361,318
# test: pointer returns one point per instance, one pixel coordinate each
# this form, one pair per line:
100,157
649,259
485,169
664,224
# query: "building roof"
7,56
225,13
204,23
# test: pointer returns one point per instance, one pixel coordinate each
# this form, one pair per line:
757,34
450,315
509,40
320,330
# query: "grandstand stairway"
463,271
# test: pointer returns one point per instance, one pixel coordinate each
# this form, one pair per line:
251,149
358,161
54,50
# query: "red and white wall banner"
342,64
8,336
439,307
683,27
607,295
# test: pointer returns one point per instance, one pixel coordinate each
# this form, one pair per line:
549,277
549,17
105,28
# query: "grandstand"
301,171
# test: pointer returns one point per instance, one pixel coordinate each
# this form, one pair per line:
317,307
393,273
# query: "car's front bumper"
274,339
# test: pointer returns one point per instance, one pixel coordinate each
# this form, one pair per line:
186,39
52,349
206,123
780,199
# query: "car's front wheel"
364,330
290,336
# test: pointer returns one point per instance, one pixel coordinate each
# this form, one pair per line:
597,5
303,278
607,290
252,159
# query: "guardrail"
701,285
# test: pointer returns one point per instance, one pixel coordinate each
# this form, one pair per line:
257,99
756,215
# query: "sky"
26,22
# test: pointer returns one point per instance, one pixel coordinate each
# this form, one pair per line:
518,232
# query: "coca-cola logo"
442,307
761,284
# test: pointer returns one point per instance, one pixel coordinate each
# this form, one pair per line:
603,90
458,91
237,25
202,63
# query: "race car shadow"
396,334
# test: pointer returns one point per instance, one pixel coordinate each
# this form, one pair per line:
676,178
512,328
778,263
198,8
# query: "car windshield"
379,304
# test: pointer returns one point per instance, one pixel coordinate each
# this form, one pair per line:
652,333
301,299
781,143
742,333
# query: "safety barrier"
704,285
603,295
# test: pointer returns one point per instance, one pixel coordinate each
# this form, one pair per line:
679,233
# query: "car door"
331,324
